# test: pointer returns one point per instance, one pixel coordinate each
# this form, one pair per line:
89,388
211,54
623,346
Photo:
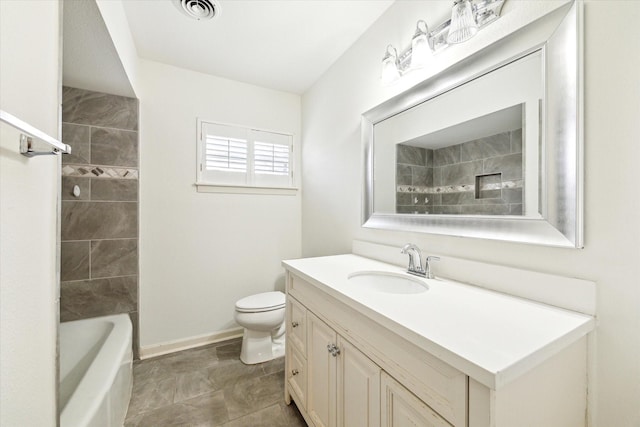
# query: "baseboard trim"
168,347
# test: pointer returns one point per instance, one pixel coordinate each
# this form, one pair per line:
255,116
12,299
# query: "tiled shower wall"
99,251
479,177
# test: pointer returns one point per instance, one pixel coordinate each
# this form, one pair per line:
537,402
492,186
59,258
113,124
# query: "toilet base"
259,346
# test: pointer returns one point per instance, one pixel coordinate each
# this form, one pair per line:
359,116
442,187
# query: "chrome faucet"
415,261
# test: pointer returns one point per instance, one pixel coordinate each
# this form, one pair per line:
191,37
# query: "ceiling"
89,58
279,44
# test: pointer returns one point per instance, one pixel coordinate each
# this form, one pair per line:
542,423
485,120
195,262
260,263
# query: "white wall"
201,252
331,203
116,22
29,89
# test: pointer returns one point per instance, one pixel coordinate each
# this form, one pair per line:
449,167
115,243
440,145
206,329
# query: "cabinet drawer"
297,376
400,408
296,325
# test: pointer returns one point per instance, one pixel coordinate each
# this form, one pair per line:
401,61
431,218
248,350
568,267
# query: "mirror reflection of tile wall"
479,177
99,225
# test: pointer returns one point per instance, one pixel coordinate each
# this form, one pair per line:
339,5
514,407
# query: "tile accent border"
99,172
457,188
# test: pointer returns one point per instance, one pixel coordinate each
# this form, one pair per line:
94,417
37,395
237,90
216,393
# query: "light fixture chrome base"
484,11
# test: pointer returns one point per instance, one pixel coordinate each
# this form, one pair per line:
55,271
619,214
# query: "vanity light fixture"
467,17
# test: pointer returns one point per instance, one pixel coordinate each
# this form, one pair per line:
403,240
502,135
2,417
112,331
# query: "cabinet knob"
294,324
295,372
333,349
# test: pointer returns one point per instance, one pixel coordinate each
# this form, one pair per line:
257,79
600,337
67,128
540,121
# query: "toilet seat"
258,303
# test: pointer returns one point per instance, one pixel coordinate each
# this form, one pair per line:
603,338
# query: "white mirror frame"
558,36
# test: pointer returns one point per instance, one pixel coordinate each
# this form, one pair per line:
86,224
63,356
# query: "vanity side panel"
554,394
438,384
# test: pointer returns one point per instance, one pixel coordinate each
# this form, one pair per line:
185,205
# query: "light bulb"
420,49
463,24
390,71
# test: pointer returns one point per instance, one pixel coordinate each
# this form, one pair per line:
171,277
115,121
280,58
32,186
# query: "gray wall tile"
74,260
68,182
79,138
457,198
92,298
99,220
404,199
492,195
125,190
421,176
403,175
515,209
510,166
102,130
411,155
446,155
491,146
445,210
512,195
461,173
411,209
117,257
135,323
516,141
497,209
480,162
434,199
99,109
113,147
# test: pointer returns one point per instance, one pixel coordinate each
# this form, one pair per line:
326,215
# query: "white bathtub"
95,371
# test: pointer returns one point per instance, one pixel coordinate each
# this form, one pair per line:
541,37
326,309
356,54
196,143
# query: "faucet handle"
427,265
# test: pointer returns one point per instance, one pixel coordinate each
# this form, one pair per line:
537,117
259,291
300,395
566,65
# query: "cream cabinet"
336,359
344,369
335,384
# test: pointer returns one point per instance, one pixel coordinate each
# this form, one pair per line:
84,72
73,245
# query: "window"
243,157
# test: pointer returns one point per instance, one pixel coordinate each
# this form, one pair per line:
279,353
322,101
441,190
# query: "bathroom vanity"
369,345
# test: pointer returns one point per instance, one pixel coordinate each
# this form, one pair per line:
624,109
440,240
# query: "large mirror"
489,148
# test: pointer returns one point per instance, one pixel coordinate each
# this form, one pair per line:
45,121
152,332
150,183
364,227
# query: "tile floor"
209,386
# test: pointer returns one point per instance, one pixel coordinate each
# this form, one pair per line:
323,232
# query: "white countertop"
492,337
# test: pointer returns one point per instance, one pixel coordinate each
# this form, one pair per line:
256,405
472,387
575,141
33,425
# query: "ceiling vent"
201,10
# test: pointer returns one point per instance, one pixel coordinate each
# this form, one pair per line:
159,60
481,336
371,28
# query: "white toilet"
262,316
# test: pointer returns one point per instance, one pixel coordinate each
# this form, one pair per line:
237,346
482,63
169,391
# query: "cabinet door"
321,369
358,385
400,408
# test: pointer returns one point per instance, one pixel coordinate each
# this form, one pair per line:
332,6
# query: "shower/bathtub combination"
96,362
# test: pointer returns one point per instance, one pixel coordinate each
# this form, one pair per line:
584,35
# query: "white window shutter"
231,155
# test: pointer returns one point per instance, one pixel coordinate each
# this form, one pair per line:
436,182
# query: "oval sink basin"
390,283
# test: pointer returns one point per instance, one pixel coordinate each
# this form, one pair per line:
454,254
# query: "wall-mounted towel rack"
29,134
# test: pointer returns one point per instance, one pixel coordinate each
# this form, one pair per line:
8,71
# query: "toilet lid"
265,301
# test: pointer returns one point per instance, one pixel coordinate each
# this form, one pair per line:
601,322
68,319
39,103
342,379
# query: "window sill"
203,187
